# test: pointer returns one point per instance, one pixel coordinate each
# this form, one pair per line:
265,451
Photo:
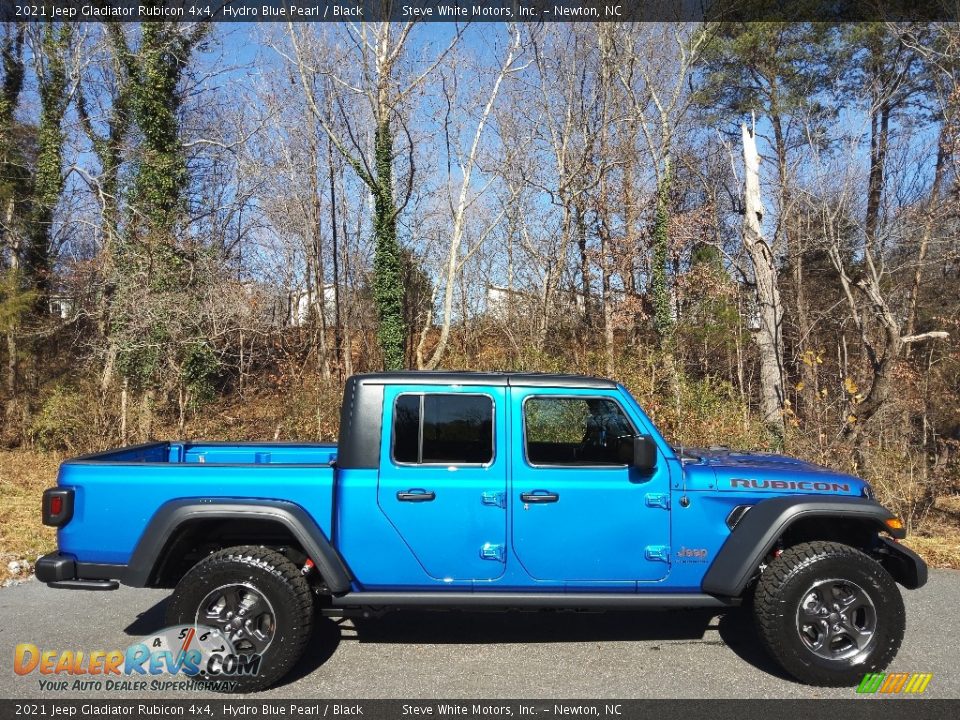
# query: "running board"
576,601
84,584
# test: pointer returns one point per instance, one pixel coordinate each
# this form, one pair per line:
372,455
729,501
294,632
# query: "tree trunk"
791,236
387,264
585,280
146,415
930,212
13,385
768,335
335,240
13,365
879,134
880,362
660,292
318,279
609,351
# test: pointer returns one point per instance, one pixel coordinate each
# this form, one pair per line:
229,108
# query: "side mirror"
644,453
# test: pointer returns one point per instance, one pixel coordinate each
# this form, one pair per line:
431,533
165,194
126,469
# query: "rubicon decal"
196,652
790,485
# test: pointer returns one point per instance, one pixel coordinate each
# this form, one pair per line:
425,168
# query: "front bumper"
906,567
64,572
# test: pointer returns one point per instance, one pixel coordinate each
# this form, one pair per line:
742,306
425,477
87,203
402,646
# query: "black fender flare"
171,515
754,535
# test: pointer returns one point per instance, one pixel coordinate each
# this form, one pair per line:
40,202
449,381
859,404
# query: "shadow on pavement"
737,630
466,627
149,621
734,627
327,634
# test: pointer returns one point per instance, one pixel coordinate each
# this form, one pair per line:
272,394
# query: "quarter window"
443,428
575,431
406,429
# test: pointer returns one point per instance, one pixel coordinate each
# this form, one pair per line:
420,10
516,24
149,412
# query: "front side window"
443,428
575,431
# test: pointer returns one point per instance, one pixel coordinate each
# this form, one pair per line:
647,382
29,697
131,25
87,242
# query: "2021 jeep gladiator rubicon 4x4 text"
493,490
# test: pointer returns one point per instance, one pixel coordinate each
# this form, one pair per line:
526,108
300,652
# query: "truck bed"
119,491
217,453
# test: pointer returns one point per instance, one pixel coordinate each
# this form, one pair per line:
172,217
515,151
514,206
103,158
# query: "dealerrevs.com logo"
895,683
183,657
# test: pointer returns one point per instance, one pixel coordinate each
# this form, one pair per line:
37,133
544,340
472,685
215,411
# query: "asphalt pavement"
674,654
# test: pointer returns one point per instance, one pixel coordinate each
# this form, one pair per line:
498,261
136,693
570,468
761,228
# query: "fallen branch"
932,335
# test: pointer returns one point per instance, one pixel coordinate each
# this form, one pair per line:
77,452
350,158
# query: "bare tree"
377,51
768,335
866,288
659,101
466,198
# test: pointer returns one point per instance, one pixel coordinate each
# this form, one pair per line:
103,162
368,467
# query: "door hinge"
660,500
490,551
496,499
659,553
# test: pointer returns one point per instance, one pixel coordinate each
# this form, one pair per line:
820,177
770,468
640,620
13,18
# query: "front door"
443,478
580,514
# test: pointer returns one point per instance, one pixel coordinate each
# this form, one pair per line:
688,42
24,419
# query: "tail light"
57,506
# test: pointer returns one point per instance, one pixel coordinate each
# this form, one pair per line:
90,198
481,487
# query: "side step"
508,600
84,584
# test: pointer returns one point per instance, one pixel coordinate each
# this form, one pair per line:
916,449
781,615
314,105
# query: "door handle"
416,495
539,496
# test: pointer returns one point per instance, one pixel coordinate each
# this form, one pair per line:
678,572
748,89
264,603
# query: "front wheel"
828,613
258,600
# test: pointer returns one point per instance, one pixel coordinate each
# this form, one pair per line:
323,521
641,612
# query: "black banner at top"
536,11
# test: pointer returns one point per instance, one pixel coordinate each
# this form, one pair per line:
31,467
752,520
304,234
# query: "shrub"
65,421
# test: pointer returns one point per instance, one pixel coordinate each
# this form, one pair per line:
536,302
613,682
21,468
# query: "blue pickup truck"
487,490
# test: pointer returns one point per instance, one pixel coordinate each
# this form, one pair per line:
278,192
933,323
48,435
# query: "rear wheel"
258,600
829,613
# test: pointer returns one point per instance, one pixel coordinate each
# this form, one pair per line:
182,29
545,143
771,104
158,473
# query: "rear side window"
443,428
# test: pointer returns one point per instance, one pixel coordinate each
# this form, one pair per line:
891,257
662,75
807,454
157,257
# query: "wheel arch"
796,519
158,555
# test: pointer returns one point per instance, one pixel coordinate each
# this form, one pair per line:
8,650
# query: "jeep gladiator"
494,490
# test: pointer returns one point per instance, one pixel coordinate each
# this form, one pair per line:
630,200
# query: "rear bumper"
55,568
64,572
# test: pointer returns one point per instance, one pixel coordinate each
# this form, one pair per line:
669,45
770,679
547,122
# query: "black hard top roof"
463,377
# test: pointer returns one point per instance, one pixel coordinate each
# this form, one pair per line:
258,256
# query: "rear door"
443,477
580,514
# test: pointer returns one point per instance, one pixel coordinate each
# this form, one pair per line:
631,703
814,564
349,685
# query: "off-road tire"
276,579
784,585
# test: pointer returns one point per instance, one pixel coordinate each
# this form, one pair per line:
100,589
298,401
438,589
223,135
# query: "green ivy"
162,171
48,178
199,371
663,316
14,174
15,301
387,257
149,255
